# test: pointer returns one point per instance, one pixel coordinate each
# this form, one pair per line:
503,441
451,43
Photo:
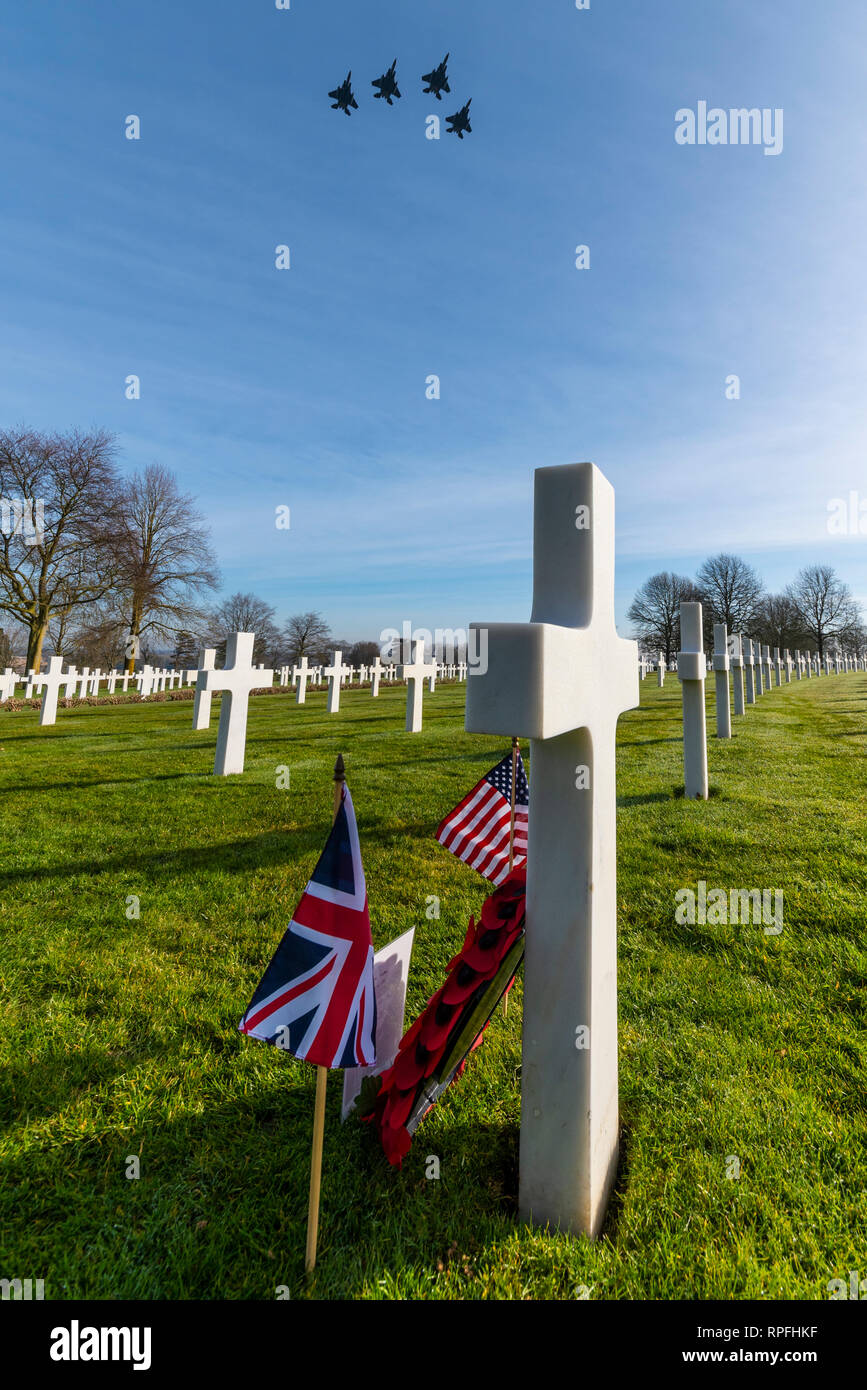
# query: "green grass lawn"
119,1036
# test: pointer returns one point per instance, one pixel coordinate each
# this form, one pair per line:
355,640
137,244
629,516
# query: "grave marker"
335,673
721,677
562,680
736,658
300,676
202,701
236,680
691,671
53,680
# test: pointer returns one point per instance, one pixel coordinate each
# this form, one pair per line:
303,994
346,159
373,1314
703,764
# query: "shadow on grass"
271,849
220,1208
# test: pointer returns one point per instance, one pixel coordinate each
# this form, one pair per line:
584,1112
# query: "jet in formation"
437,81
459,123
387,85
342,96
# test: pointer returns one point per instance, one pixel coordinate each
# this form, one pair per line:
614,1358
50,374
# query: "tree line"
815,613
122,564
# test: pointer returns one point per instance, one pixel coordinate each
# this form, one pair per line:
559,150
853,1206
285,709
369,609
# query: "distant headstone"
660,670
691,670
415,673
53,680
335,674
376,671
236,680
202,701
301,674
736,661
749,670
721,678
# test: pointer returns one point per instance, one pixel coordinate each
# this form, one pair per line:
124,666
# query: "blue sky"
413,257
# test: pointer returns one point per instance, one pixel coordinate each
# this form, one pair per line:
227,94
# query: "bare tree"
655,611
363,653
165,557
55,557
824,604
8,648
730,590
308,634
246,613
777,624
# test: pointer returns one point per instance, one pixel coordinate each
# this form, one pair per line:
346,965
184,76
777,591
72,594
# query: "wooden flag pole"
319,1105
512,837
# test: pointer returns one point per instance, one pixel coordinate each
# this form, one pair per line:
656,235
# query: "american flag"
316,998
477,830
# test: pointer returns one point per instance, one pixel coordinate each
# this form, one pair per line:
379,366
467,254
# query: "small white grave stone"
53,680
202,701
376,671
736,660
236,680
691,670
300,676
415,674
334,674
721,678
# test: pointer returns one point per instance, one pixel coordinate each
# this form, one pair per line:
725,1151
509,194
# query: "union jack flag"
316,998
477,830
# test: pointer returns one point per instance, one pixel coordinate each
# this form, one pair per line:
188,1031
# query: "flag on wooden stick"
316,999
477,830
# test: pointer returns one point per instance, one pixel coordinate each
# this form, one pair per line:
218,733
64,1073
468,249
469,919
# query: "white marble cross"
53,679
787,661
660,670
562,680
721,678
335,673
202,701
236,680
300,677
736,659
749,670
415,673
778,667
691,671
376,671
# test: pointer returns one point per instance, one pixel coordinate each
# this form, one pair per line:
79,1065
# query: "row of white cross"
804,663
239,677
80,684
753,672
361,675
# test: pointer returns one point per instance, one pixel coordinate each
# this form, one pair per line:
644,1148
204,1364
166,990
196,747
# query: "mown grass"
119,1036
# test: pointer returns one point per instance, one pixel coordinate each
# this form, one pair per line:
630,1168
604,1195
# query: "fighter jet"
343,97
387,85
460,122
437,82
